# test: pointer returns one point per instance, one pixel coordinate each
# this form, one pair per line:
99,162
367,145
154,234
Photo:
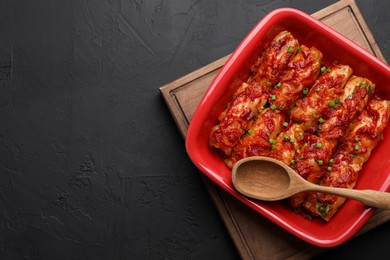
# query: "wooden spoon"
268,179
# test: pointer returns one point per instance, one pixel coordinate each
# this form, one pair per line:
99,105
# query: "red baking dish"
335,47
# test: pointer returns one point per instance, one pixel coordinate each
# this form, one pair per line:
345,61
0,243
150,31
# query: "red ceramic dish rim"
210,167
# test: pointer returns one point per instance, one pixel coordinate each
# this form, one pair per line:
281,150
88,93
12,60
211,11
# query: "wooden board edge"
238,238
378,218
172,103
168,92
165,89
367,31
329,10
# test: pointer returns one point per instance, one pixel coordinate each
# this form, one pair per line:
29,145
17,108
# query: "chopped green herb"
299,50
318,89
273,107
273,97
363,85
279,84
338,102
331,103
292,140
286,137
323,209
318,145
357,139
273,146
272,141
285,124
331,161
292,162
323,69
250,131
328,70
281,108
321,120
314,115
305,91
357,147
320,162
329,169
290,50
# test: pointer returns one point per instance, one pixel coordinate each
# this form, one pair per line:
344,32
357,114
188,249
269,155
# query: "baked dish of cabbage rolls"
320,119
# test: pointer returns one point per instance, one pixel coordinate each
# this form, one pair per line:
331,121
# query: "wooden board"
254,236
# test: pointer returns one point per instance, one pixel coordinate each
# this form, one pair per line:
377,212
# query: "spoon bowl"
265,178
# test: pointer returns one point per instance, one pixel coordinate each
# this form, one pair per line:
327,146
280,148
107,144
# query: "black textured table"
92,165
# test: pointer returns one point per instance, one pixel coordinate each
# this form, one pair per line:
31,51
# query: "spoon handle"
372,198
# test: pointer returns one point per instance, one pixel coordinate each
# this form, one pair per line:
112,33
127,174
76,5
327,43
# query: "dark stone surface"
92,165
